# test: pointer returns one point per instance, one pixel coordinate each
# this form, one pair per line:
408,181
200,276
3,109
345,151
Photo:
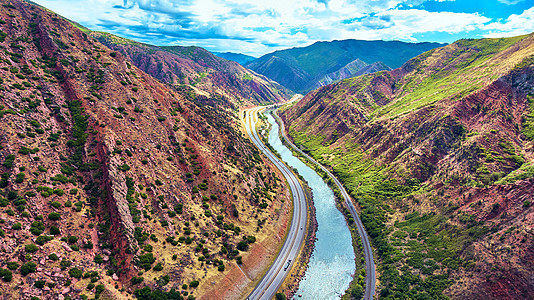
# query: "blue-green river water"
332,262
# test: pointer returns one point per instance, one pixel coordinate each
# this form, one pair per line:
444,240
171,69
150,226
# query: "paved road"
370,280
271,282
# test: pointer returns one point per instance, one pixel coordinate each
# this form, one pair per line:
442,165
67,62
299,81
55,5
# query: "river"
332,262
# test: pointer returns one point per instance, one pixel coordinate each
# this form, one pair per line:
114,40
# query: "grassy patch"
461,76
528,120
417,253
524,172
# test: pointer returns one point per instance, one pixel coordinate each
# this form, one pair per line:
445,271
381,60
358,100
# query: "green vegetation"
280,296
524,172
54,216
27,268
148,293
145,261
465,76
528,119
6,275
76,273
416,255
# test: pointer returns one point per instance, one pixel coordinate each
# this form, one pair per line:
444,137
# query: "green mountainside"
439,156
300,69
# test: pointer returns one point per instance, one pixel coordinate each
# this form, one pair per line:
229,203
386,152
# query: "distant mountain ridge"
354,68
239,58
303,69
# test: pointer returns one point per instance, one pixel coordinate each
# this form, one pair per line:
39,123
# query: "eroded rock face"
118,188
110,173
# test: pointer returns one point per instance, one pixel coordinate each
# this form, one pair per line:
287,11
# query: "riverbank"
357,285
332,264
291,284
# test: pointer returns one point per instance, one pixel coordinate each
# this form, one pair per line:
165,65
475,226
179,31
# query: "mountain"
239,58
197,68
352,69
438,154
301,69
115,185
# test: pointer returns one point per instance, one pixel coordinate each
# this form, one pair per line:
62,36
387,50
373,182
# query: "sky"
257,27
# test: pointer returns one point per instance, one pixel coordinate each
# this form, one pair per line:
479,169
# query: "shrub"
242,246
280,296
55,204
43,239
39,284
158,267
194,283
20,177
72,239
146,261
27,268
8,162
124,167
37,228
99,289
53,257
54,216
54,230
16,226
136,280
31,248
75,272
12,265
99,259
6,275
65,263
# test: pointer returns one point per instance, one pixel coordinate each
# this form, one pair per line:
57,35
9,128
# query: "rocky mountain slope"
197,68
439,156
302,69
114,185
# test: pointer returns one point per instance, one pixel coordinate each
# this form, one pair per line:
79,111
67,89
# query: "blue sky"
262,26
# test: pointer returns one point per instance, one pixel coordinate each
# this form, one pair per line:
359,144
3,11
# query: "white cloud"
256,27
513,25
510,2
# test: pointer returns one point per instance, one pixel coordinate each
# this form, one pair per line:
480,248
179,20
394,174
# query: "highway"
273,279
370,280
